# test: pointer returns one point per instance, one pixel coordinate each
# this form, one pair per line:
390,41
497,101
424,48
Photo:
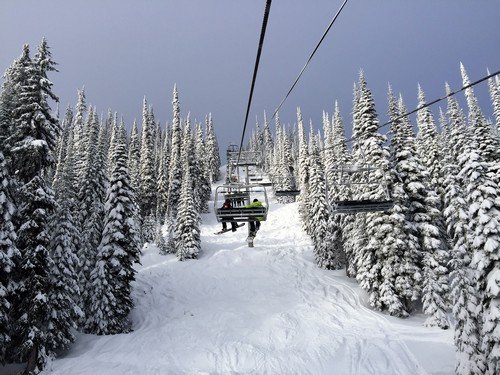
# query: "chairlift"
240,193
278,182
362,175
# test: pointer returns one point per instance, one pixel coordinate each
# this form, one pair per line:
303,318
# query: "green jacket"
255,205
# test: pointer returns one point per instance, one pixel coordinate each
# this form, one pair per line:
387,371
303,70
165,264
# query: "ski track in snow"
261,310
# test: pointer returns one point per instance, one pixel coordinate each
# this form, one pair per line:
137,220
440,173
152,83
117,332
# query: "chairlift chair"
285,192
240,214
361,175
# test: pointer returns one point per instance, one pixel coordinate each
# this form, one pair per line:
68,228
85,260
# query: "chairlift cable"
310,57
256,68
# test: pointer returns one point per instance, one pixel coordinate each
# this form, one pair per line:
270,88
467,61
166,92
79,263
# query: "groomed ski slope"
261,310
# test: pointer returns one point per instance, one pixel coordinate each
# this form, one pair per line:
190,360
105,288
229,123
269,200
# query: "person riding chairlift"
226,206
255,225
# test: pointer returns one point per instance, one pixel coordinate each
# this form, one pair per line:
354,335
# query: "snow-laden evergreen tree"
90,209
103,142
332,157
368,148
113,272
163,180
147,191
134,157
8,252
483,239
494,89
401,249
189,153
353,225
9,255
105,139
159,134
427,143
326,257
274,168
268,145
285,174
33,139
64,292
303,172
488,142
187,245
79,135
203,178
212,148
175,170
430,224
462,293
62,145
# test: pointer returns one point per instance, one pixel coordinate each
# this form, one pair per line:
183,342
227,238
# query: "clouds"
123,50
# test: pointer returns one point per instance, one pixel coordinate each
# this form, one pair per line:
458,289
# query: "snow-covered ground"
261,310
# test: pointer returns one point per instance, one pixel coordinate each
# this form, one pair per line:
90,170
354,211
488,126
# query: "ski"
228,230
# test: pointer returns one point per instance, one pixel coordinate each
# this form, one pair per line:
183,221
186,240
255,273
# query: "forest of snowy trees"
438,249
78,199
80,196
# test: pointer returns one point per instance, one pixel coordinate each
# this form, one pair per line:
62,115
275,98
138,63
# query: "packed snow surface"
261,310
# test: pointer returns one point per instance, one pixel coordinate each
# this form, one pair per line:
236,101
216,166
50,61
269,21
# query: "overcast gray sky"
122,50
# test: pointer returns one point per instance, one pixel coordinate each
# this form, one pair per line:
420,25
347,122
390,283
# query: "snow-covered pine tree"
285,179
175,170
369,148
33,139
62,144
274,169
212,148
159,136
479,170
113,272
334,231
187,245
494,89
163,180
430,225
90,209
147,191
483,239
462,294
427,143
203,178
8,252
353,226
188,152
303,173
326,257
105,139
64,292
489,143
401,248
268,145
79,135
134,157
